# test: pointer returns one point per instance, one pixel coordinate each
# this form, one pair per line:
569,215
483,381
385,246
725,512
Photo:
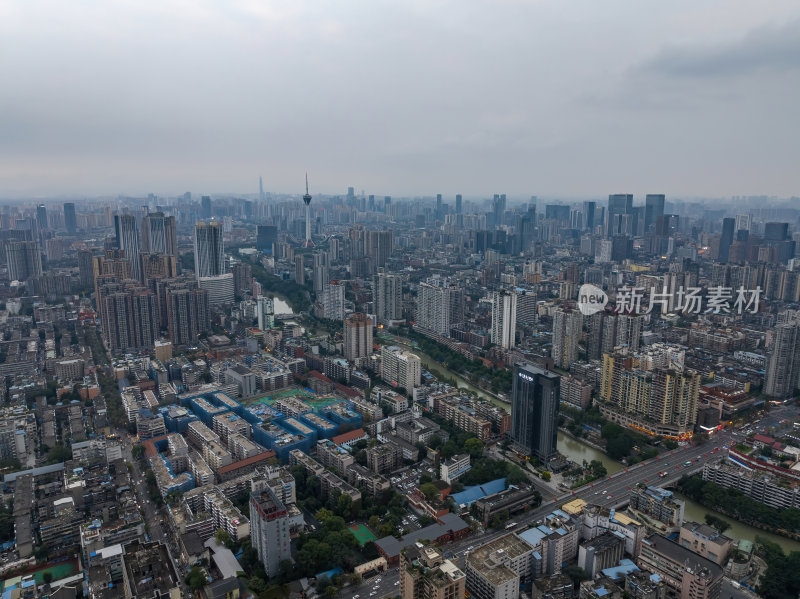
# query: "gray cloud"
766,49
418,97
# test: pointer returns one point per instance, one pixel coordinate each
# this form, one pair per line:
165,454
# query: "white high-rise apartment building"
504,319
400,368
388,291
440,305
333,300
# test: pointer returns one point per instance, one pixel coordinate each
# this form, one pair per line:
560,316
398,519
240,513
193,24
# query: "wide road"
616,487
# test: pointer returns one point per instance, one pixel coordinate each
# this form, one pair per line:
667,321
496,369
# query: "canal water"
693,511
281,306
578,451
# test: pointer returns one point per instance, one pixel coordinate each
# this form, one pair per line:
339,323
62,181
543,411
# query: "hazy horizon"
691,99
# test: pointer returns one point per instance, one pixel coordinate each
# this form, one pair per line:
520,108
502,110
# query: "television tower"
307,200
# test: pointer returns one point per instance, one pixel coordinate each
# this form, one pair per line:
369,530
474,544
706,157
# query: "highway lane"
616,487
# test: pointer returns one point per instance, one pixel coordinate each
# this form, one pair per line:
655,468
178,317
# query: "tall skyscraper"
726,238
187,313
357,336
776,231
589,209
619,204
388,295
70,221
266,235
269,529
205,207
266,313
504,319
378,247
300,269
601,334
307,201
653,210
260,188
85,269
526,229
784,362
127,234
498,209
242,278
41,217
459,206
673,398
159,234
567,327
209,255
743,222
24,259
536,394
320,271
129,315
629,331
440,305
333,300
400,368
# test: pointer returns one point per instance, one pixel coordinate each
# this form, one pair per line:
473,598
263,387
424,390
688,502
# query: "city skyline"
421,97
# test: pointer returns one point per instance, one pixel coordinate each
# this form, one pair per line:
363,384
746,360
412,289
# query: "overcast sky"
558,99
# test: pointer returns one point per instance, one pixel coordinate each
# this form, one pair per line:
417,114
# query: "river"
693,511
578,451
438,370
281,305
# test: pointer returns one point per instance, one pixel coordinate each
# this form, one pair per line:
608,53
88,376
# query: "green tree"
59,453
474,447
324,514
718,523
195,578
374,522
47,577
598,469
223,537
257,585
576,574
344,505
430,491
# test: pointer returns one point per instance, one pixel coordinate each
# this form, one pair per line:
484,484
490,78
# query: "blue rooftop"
472,494
624,568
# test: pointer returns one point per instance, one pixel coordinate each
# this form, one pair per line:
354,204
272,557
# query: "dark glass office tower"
534,410
726,239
